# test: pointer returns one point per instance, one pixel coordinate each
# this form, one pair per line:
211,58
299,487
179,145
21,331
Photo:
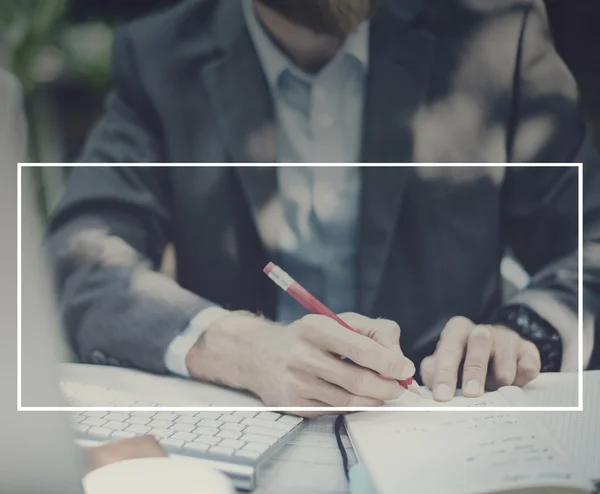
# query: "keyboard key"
118,417
138,429
161,433
116,426
232,427
208,415
184,436
75,419
258,447
265,431
99,432
187,414
233,419
160,424
231,443
267,423
97,415
289,419
268,416
222,451
138,420
182,427
122,435
245,414
196,447
229,434
187,420
94,422
212,440
205,431
210,423
171,443
256,438
166,416
248,454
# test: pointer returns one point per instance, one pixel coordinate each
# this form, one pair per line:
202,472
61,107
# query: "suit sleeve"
541,204
108,234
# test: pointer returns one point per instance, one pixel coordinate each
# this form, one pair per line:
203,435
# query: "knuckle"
389,367
445,374
504,378
475,366
357,381
346,399
312,320
297,356
392,326
482,334
457,324
449,349
308,331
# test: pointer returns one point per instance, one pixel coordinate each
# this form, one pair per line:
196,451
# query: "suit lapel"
239,92
401,59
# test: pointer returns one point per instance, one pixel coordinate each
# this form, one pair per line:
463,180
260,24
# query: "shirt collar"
275,62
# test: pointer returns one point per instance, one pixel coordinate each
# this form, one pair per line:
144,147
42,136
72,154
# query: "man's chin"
336,18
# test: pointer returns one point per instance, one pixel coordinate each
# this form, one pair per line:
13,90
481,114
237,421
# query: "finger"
479,351
353,378
330,336
504,362
448,357
528,363
382,331
428,370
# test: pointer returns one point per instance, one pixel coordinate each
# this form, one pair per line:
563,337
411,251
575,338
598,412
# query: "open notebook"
464,452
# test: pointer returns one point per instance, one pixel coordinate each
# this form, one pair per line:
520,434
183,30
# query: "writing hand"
299,365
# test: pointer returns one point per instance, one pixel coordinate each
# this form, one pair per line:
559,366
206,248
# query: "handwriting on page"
490,447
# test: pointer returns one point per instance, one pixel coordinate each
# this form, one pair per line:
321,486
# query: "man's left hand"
487,356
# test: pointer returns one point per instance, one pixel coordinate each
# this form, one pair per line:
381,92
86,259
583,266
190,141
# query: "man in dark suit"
333,81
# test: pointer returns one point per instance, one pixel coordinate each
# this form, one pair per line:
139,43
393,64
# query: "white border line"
315,409
19,182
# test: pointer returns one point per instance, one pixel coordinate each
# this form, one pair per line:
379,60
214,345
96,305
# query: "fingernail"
443,392
408,371
472,388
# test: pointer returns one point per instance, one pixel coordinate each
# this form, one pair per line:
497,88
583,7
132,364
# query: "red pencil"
315,306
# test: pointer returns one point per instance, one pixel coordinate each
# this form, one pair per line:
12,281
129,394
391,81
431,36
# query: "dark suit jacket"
446,84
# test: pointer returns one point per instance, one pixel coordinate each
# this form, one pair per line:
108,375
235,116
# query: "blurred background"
60,50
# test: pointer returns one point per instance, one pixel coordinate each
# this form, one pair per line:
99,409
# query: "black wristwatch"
534,328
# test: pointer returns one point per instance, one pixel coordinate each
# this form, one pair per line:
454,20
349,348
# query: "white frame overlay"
578,408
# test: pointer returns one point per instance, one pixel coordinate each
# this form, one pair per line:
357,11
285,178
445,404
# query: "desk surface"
310,463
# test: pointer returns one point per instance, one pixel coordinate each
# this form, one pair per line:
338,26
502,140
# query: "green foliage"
43,46
28,27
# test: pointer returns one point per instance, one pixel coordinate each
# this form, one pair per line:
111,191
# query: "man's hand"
126,449
299,365
489,357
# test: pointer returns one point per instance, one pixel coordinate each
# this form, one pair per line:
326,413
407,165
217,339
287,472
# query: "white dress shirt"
319,120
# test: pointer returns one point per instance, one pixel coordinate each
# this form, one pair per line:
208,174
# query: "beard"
331,17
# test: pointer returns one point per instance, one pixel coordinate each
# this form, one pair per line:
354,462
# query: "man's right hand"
299,365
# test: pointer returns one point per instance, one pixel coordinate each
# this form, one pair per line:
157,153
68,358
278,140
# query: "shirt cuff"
183,343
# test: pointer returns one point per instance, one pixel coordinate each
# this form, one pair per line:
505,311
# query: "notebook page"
469,452
577,432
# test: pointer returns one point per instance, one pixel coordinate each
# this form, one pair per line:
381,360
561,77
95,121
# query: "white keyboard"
236,442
